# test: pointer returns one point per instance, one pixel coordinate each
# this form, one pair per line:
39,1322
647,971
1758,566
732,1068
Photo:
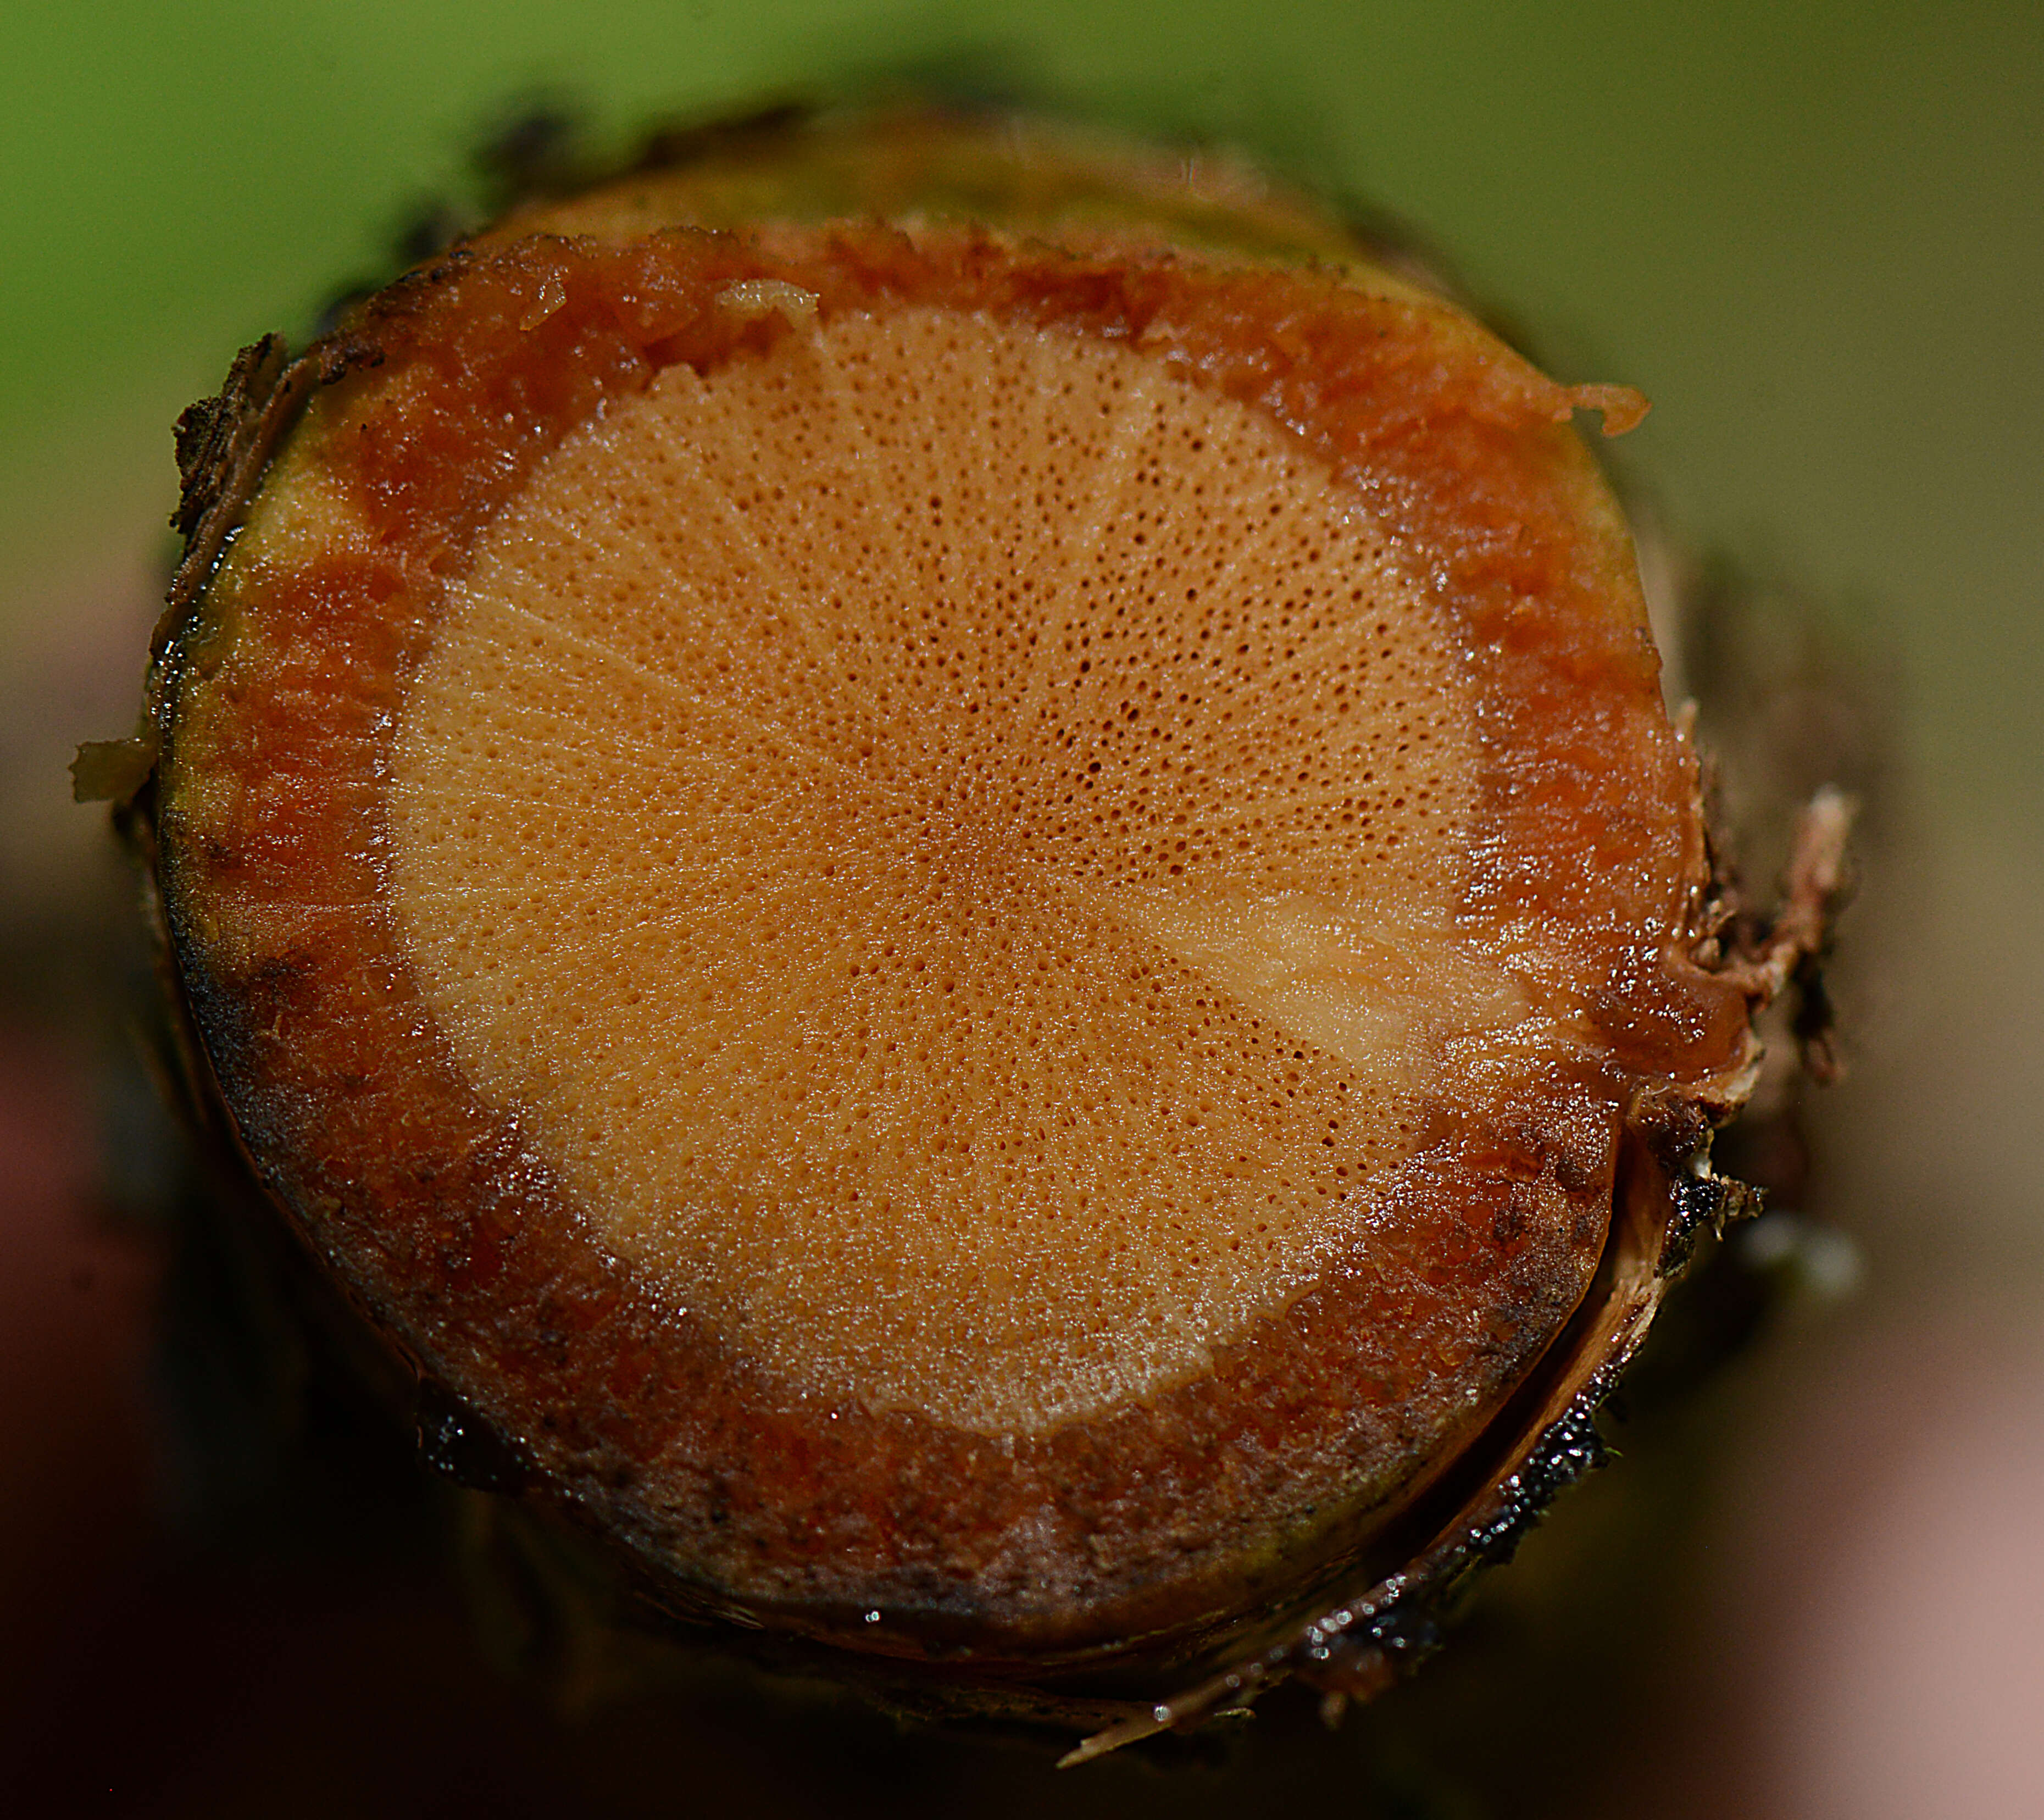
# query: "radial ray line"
1036,1064
729,870
795,993
1357,624
676,691
780,877
615,939
798,614
911,480
605,534
955,573
733,864
1108,1058
593,525
575,639
561,731
455,781
800,476
850,420
1278,800
1116,469
549,890
765,1006
979,1064
1227,527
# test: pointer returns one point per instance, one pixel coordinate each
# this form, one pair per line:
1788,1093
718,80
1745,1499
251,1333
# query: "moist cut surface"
969,930
951,837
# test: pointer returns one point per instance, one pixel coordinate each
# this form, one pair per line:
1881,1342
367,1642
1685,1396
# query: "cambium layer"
990,930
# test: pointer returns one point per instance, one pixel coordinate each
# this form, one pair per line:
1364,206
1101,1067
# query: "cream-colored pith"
949,836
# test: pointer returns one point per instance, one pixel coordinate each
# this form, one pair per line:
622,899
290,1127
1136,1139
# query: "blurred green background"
1813,234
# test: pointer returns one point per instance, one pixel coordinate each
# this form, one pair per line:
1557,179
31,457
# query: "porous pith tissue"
948,835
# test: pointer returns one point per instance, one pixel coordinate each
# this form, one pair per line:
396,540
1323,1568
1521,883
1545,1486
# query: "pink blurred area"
1863,1638
1907,1677
75,1301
